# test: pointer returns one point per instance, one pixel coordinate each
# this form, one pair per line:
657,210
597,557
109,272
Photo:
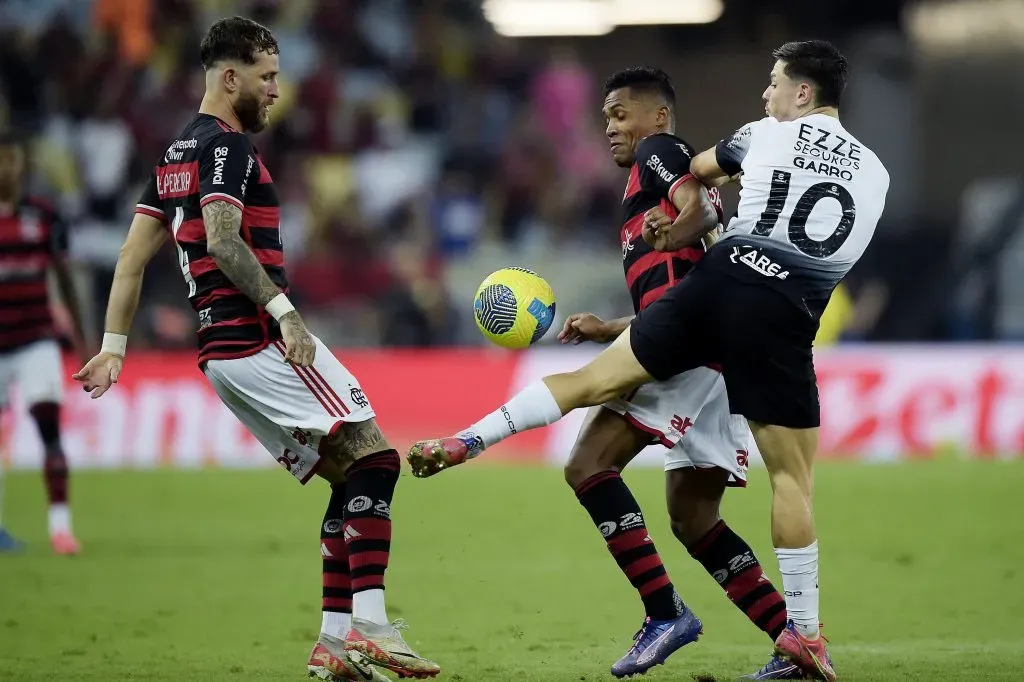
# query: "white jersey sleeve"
811,196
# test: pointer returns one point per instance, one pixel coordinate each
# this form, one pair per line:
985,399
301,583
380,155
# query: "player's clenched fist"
581,327
100,373
656,229
299,348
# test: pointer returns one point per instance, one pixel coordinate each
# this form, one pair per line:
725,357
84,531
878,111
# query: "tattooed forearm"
234,257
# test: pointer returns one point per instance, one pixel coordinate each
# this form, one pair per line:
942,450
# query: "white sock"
800,583
336,624
369,605
531,408
60,519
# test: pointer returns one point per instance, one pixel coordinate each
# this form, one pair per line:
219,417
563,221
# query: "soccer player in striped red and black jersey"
660,168
212,195
640,111
33,241
211,164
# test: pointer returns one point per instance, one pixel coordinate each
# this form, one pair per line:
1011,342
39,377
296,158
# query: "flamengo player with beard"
212,194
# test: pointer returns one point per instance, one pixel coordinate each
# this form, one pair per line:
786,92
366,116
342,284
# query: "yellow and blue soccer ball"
514,307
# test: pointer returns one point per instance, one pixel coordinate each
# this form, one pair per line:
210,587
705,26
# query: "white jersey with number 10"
811,196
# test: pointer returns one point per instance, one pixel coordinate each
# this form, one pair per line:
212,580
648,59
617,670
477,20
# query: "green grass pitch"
215,575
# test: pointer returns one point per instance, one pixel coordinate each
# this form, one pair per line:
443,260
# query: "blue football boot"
8,543
656,641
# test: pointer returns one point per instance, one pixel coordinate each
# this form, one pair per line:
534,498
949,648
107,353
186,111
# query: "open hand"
99,373
580,327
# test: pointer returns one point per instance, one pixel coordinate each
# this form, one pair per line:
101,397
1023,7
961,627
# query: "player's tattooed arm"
223,221
224,243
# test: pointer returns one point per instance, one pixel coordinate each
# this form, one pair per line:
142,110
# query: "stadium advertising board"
878,403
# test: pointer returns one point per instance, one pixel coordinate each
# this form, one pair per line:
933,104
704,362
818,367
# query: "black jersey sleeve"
664,163
730,152
149,203
224,169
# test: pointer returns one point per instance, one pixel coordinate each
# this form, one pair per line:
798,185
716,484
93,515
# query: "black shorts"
759,337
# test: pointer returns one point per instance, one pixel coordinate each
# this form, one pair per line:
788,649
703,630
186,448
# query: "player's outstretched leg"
329,660
606,377
532,407
55,472
788,455
366,529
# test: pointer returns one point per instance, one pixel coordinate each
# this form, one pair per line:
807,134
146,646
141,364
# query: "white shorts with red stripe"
689,415
287,408
36,369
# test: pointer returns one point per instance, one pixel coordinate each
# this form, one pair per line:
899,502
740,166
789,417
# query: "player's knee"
331,471
598,389
354,441
579,469
690,521
591,386
794,483
788,471
592,455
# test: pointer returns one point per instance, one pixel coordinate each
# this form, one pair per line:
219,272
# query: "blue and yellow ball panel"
514,307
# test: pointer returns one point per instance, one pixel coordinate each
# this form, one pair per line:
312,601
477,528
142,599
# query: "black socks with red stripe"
731,562
55,465
617,515
367,529
337,585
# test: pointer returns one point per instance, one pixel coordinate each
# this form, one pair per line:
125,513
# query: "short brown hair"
819,62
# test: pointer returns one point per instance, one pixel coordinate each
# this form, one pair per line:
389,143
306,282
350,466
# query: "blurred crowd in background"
410,139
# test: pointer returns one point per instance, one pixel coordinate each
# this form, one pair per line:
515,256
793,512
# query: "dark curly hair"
237,39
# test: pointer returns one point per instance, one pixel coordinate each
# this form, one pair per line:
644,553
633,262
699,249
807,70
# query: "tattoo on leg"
357,439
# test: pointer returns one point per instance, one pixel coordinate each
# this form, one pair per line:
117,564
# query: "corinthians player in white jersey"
811,196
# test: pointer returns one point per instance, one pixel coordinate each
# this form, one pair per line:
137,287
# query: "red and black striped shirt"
31,237
662,164
210,161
